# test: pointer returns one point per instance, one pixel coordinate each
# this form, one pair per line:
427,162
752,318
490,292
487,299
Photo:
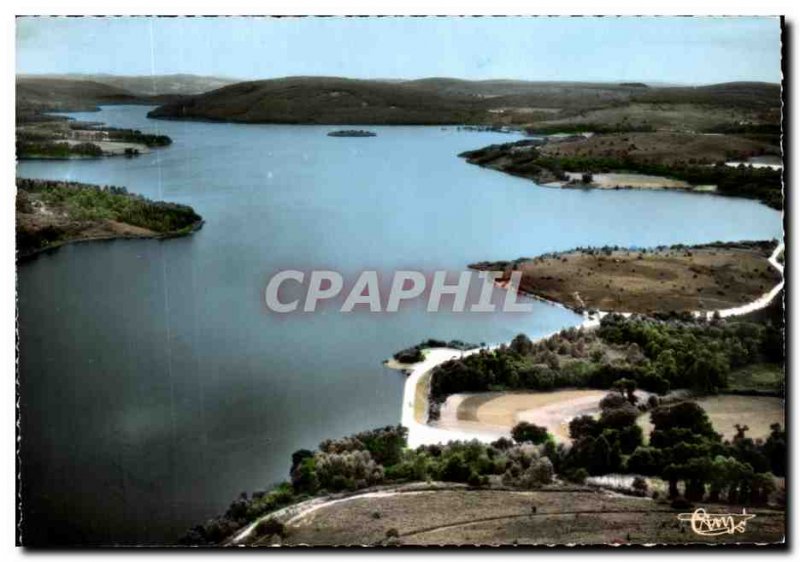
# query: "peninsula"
53,213
666,279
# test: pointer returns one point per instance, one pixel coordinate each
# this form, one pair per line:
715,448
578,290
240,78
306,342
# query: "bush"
269,527
525,432
640,485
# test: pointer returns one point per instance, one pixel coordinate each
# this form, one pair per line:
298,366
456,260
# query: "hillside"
51,94
452,515
540,105
160,85
325,100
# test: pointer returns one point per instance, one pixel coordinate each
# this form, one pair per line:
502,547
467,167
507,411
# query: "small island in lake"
52,213
352,133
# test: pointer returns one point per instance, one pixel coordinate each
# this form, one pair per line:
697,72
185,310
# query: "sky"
691,50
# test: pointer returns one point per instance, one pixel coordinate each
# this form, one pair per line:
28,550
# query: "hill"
54,94
324,100
453,515
160,85
746,94
542,105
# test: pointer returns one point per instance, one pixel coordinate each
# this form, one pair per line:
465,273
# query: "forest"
658,355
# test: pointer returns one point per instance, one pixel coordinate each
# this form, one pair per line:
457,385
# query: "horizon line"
234,79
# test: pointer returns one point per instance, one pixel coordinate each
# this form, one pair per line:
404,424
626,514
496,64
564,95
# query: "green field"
758,378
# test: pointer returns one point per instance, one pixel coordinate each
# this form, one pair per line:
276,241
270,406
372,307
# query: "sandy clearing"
639,181
112,147
501,411
420,433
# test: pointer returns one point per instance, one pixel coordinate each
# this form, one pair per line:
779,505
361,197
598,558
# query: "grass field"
700,278
489,517
662,147
686,117
762,377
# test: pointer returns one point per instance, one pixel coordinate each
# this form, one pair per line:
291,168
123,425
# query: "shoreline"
420,433
188,231
759,300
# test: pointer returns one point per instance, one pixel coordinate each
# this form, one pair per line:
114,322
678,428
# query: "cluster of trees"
380,456
85,202
118,134
136,136
414,353
657,355
684,448
599,445
764,184
597,128
694,355
767,132
44,149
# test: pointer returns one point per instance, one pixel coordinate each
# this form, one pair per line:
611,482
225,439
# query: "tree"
299,456
582,426
619,418
775,450
604,458
646,461
630,438
612,401
686,415
627,388
528,432
304,476
522,345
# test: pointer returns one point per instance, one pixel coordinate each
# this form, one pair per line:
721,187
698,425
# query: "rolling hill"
53,94
327,100
159,85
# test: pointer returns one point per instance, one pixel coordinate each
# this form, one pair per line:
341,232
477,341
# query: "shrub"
269,527
527,432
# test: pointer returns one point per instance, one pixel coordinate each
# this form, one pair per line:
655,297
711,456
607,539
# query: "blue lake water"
155,385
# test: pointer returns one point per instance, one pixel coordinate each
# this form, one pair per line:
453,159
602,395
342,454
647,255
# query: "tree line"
658,355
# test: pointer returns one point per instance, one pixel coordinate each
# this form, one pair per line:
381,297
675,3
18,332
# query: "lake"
155,386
